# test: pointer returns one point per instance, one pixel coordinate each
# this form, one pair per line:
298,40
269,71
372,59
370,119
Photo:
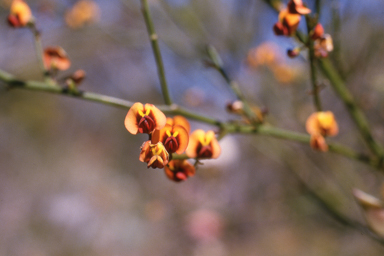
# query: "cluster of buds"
289,18
320,125
323,43
168,136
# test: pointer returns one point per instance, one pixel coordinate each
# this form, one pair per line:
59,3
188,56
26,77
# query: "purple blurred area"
70,179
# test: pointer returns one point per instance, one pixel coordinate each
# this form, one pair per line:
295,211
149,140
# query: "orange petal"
22,11
182,121
216,149
328,123
194,141
145,152
311,125
182,137
318,142
179,170
131,120
156,136
317,32
56,57
157,115
292,20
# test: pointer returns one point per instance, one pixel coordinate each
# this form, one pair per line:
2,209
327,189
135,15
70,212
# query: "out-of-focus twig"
39,50
312,58
355,112
153,37
218,64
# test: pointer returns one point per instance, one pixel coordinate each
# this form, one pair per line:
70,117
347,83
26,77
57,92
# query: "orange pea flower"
287,24
20,14
296,6
179,120
318,142
83,12
317,32
154,154
144,118
203,145
56,58
179,170
323,123
174,138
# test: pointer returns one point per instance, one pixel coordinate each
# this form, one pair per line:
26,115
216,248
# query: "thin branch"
225,127
315,87
39,49
156,51
218,64
355,112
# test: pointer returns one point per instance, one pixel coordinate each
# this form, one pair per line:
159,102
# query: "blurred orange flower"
318,142
144,118
154,154
284,73
323,46
203,145
296,6
317,32
56,58
287,24
180,120
265,54
323,123
174,138
179,170
20,14
84,11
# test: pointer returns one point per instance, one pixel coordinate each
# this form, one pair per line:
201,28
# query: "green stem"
216,59
355,112
318,8
39,49
315,87
225,127
156,51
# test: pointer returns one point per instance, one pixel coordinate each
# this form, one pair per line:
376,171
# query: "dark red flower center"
13,21
171,144
146,124
205,152
180,176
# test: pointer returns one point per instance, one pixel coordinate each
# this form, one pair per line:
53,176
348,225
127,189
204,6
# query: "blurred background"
70,179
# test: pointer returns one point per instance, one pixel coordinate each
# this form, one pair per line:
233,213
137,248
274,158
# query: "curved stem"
156,51
355,112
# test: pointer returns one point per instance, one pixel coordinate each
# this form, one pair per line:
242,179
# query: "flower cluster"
289,18
288,22
168,136
54,58
323,43
320,125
